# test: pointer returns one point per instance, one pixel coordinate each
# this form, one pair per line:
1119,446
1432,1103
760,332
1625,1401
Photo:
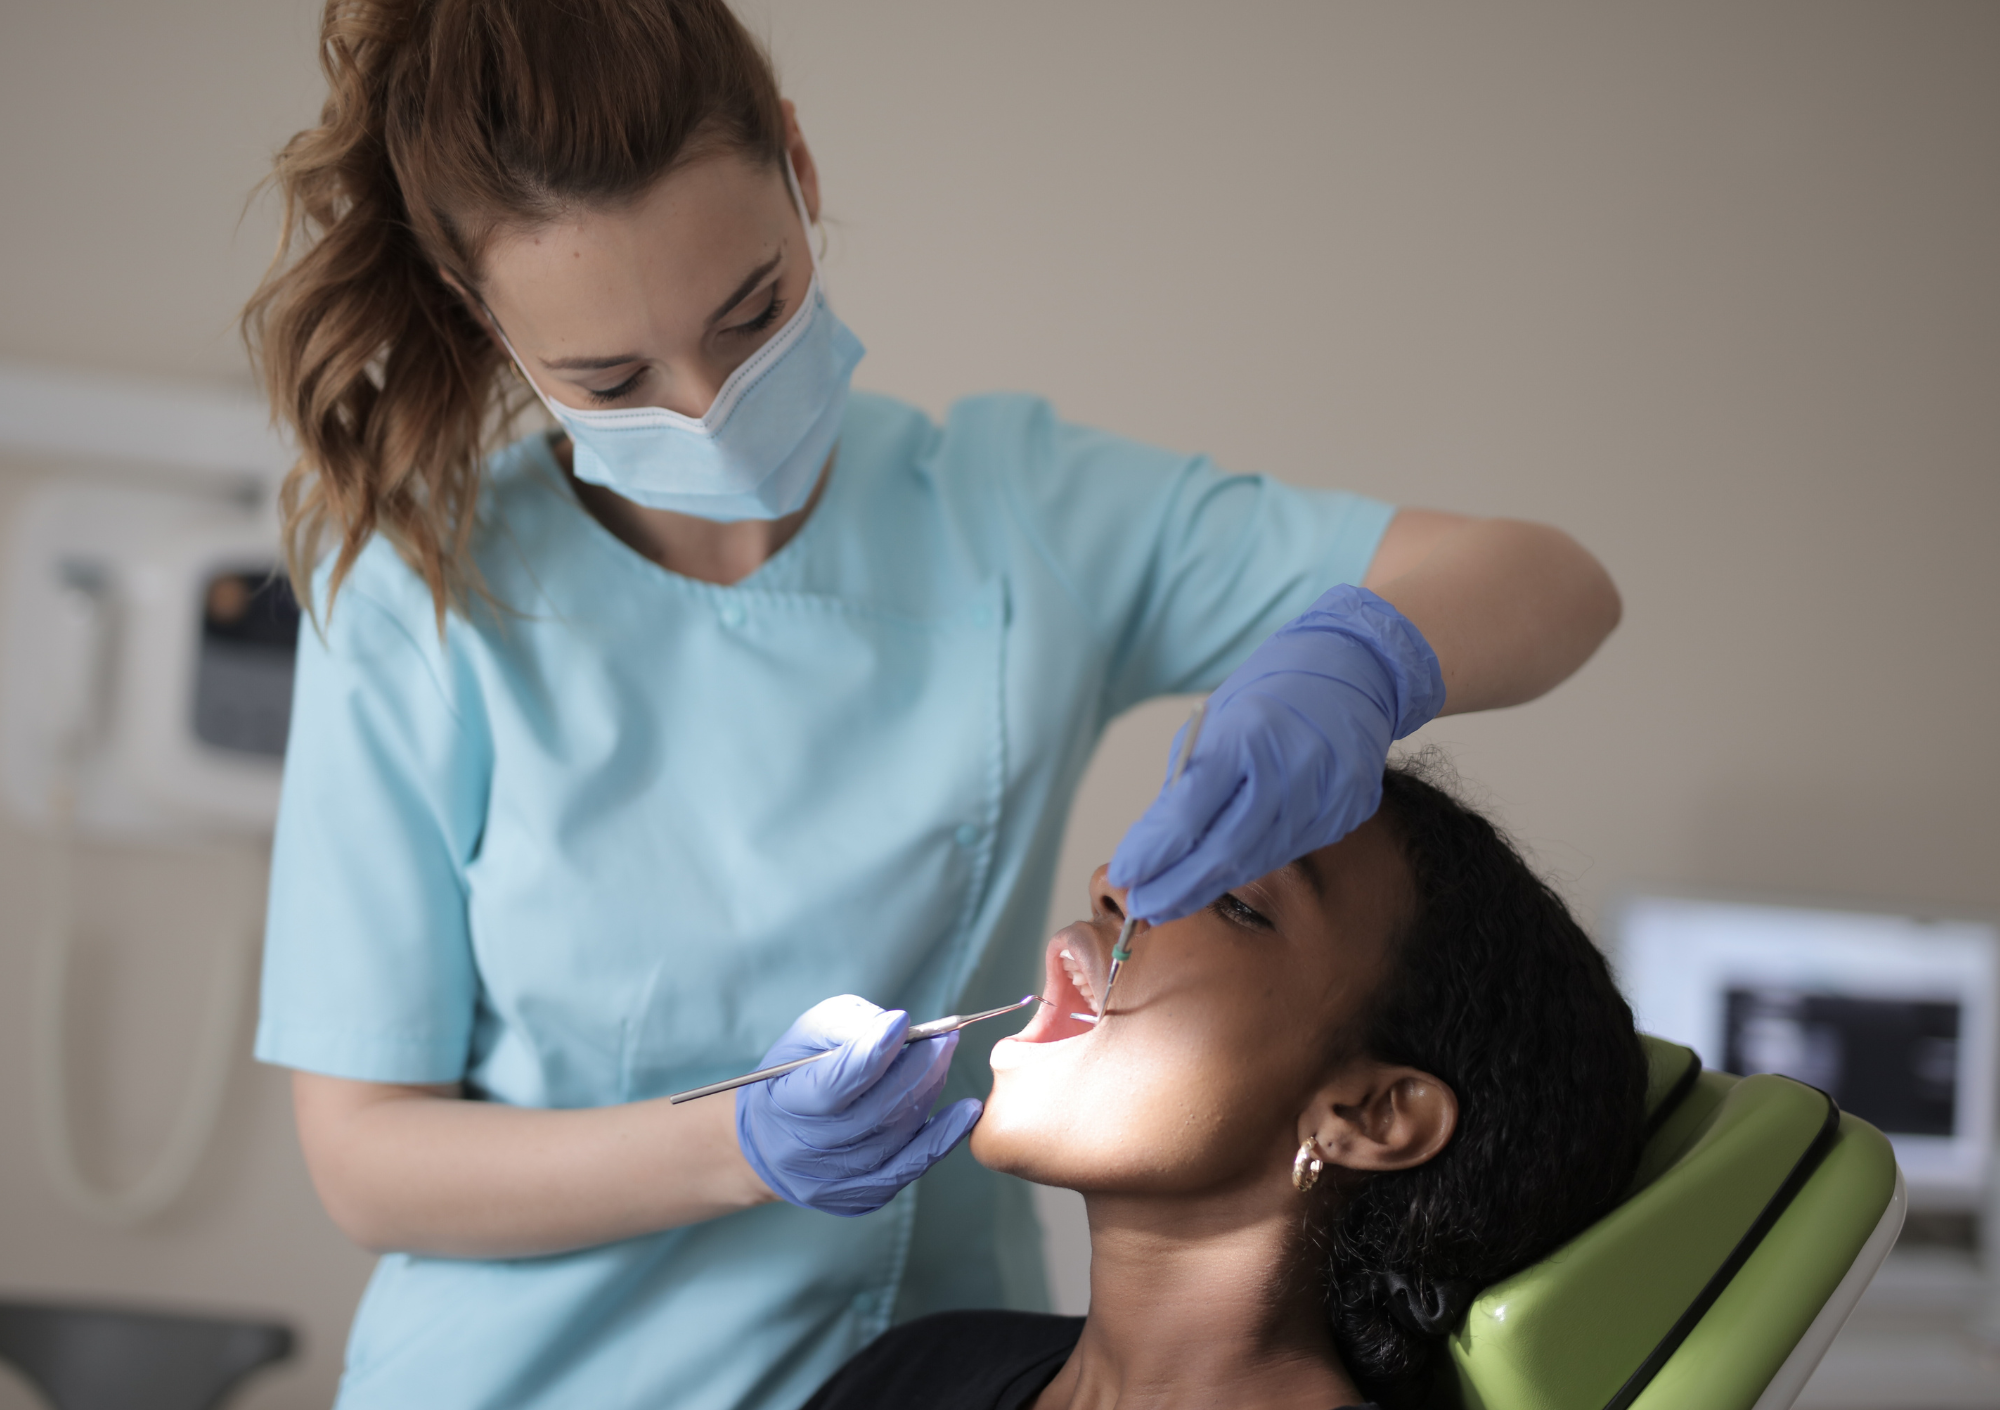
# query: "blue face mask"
758,451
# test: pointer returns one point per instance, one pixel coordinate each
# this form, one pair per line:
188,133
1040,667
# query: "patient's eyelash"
1236,913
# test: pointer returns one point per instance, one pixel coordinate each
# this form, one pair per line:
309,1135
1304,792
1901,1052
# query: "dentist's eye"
766,318
617,393
1236,913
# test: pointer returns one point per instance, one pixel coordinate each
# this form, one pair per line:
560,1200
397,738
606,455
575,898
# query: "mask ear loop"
465,290
806,222
520,368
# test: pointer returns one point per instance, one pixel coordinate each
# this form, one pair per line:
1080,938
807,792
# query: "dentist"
621,747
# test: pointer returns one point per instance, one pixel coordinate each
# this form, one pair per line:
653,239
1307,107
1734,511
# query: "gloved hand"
1290,755
845,1133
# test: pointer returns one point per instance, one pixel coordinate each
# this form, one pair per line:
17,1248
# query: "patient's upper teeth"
1078,976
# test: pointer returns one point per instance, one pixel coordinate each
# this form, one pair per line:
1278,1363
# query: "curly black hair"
1494,989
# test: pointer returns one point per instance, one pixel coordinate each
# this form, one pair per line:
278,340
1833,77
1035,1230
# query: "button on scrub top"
606,841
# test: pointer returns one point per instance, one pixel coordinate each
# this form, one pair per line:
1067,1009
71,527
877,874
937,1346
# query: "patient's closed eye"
1236,913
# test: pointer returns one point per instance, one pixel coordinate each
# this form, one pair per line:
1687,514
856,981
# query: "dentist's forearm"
1512,609
419,1169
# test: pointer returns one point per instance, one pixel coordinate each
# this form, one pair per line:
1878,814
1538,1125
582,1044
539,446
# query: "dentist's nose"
693,386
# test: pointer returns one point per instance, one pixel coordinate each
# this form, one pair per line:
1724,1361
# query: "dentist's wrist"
1410,673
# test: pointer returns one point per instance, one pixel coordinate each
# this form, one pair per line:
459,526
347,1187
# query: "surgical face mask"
757,452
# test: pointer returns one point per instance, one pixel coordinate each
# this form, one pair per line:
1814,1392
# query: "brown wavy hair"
1494,989
446,121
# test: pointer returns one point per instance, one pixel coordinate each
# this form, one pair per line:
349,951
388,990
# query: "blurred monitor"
1891,1015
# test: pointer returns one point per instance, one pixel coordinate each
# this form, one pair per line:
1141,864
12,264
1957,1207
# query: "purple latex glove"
1290,756
844,1134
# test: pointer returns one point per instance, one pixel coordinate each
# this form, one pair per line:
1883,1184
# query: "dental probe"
1122,951
937,1027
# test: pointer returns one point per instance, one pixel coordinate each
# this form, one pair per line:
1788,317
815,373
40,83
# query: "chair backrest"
95,1358
1754,1198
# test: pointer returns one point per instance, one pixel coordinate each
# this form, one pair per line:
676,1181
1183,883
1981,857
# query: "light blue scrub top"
608,844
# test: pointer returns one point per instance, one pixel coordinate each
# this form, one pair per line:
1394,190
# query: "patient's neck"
1201,1302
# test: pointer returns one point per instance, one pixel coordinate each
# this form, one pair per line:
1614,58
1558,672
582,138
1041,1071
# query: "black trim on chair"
1676,1094
1775,1207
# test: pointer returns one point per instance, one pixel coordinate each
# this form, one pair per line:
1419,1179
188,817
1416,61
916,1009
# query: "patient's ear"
1375,1116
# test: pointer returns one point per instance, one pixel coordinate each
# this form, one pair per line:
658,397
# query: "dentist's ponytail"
446,121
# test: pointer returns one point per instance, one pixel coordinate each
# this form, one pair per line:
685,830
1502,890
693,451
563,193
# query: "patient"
1318,1117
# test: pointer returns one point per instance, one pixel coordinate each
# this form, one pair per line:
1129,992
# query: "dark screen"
243,680
1892,1062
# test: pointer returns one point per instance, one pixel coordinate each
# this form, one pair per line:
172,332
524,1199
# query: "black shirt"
957,1361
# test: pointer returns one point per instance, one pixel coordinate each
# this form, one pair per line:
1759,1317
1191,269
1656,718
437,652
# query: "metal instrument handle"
936,1028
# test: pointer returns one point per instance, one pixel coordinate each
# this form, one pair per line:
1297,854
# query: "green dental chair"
1759,1214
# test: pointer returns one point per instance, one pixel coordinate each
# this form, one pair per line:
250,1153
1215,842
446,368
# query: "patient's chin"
1003,1143
1019,1134
1027,1134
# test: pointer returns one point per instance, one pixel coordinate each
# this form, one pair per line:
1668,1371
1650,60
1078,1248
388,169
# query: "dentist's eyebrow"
750,282
588,364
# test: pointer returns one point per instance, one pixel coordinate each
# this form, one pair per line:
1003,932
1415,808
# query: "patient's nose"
1106,901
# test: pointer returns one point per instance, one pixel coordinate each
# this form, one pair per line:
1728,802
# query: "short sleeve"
368,968
1179,567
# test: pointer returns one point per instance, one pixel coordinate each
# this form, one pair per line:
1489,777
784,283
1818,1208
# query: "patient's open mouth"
1074,980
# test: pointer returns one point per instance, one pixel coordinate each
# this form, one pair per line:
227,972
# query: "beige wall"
1712,286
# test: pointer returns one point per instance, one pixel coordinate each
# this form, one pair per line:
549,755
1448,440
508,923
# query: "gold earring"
1306,1165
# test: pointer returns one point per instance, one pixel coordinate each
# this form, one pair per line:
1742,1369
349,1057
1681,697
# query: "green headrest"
1752,1198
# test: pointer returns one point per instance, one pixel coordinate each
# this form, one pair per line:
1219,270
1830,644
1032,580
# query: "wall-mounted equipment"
1896,1017
146,669
145,688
